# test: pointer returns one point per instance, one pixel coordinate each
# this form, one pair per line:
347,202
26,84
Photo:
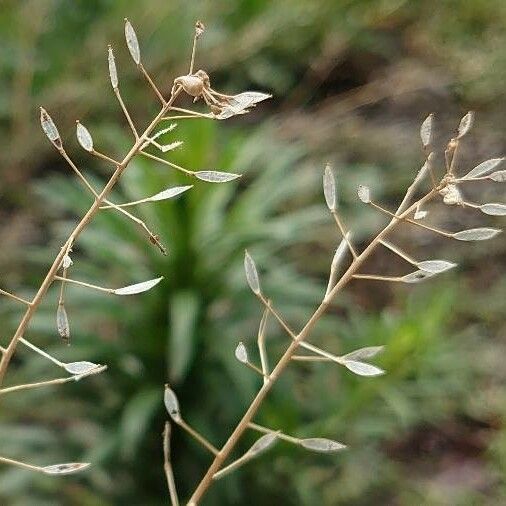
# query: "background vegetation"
351,82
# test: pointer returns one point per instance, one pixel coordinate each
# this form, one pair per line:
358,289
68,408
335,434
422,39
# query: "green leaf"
183,310
135,419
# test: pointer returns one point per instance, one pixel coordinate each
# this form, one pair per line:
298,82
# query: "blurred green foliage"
351,82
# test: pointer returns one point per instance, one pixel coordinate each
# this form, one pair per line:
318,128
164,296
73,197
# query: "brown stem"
285,359
167,466
87,218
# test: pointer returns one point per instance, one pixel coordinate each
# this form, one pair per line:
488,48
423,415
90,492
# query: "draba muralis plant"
220,106
441,183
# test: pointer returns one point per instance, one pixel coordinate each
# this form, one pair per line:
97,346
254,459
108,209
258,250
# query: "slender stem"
104,157
454,157
190,112
399,252
78,172
228,469
253,367
86,285
152,84
126,113
292,334
57,381
285,359
402,217
87,218
344,233
167,466
64,275
192,59
41,352
281,435
278,317
264,358
336,261
152,237
201,439
182,116
14,297
413,186
166,162
322,353
310,358
375,277
22,465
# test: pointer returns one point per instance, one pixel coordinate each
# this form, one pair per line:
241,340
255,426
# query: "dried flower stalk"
63,262
447,188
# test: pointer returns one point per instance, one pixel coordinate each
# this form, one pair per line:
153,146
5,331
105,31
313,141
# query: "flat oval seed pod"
263,444
364,193
84,137
49,128
138,287
251,273
362,368
499,176
435,266
494,209
170,193
323,445
426,130
484,167
417,276
329,188
247,99
113,73
73,467
172,404
80,367
132,42
62,323
241,353
213,176
465,124
362,353
476,234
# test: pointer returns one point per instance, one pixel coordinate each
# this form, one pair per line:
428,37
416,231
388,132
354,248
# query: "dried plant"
412,210
442,183
221,106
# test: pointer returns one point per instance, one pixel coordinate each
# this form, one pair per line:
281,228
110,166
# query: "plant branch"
403,217
198,437
167,466
57,381
285,359
126,113
166,162
14,297
344,233
281,435
85,220
22,465
264,360
152,84
104,157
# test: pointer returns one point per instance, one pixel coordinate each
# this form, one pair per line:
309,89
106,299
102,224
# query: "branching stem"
213,470
86,219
